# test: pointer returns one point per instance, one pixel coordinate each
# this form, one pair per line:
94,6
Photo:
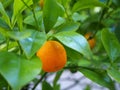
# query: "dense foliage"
25,25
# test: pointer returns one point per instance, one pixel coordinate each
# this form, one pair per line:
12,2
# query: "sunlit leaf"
31,44
76,42
4,14
17,70
18,7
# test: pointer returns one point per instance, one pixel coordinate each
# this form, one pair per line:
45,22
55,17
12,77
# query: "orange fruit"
90,39
41,3
52,55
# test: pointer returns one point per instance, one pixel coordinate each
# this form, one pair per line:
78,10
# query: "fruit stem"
39,80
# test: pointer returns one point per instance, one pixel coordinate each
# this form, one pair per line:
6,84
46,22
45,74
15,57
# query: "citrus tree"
49,36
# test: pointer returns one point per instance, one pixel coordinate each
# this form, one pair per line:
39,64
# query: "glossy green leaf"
18,7
111,44
115,74
46,86
99,77
76,42
16,35
31,44
51,11
17,70
82,4
70,26
4,14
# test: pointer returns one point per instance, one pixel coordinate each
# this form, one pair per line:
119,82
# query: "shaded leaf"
82,4
99,77
115,74
3,83
46,86
111,44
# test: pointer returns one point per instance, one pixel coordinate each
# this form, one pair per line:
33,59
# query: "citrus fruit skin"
90,40
53,56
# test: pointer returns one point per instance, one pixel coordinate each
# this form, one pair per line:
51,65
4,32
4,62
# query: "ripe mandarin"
52,55
90,40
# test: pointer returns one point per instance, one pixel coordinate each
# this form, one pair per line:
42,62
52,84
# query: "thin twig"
39,80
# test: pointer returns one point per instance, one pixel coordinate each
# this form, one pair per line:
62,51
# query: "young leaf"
51,11
4,15
46,86
82,4
31,44
17,70
18,7
99,77
111,44
76,42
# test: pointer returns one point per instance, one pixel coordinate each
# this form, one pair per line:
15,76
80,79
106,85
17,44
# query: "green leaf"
2,38
115,74
73,55
3,83
31,21
111,44
60,21
116,2
82,4
17,70
19,6
76,42
70,26
4,14
51,11
16,35
46,86
99,77
31,44
35,1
